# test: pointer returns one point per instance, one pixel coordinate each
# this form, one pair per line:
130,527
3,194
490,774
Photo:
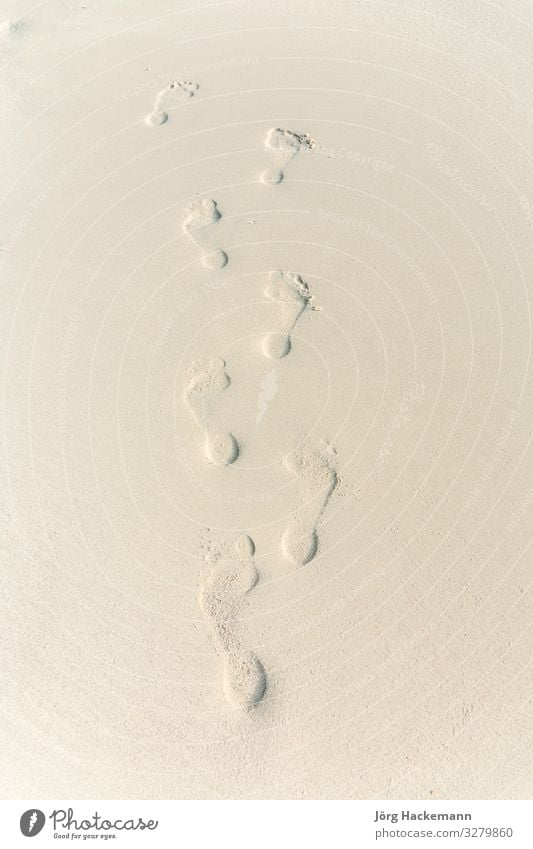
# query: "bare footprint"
315,468
291,292
220,596
14,30
206,379
199,215
165,98
284,145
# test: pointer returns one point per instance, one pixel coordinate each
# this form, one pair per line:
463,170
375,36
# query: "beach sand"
266,341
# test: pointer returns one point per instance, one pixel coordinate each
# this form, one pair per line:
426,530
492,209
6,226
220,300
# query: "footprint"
315,468
291,292
200,214
207,378
163,101
284,145
220,596
12,36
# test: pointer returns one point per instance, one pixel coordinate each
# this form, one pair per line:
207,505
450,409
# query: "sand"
266,338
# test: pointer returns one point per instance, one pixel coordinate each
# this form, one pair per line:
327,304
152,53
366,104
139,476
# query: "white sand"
266,271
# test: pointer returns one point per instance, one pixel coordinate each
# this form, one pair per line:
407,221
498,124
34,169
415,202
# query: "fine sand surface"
265,332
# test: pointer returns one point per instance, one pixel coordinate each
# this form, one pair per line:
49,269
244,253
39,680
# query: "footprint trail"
291,292
220,597
283,146
206,379
315,468
165,98
201,214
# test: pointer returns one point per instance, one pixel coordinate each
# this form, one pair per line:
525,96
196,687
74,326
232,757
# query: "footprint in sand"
13,33
317,477
206,379
199,215
170,94
220,597
283,145
291,293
